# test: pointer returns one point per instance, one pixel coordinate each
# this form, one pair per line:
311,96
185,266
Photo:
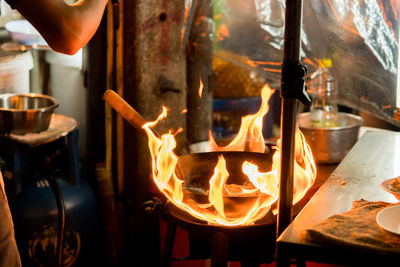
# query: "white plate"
23,32
389,219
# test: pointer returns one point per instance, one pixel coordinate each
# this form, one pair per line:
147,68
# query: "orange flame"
230,204
250,135
187,8
222,32
304,166
201,86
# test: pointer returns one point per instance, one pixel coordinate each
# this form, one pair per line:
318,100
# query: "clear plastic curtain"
358,37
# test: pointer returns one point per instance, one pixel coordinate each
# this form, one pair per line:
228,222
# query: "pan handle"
124,109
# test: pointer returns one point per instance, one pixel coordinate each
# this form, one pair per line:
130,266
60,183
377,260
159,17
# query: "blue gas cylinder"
35,217
33,204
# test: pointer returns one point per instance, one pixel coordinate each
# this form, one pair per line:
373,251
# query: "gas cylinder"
30,170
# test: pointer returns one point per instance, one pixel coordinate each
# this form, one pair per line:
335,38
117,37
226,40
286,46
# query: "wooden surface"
374,158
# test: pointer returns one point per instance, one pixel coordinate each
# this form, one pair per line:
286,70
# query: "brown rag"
354,228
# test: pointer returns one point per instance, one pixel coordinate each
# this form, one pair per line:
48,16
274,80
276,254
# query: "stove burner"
251,244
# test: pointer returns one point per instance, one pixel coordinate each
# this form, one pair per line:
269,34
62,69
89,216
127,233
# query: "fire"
224,203
304,166
222,32
250,135
201,86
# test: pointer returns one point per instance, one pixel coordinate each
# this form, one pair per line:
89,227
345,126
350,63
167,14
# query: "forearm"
66,28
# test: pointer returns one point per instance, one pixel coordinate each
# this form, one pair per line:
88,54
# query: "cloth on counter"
356,228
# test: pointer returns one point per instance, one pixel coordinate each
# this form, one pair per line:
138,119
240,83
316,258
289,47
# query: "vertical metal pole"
291,57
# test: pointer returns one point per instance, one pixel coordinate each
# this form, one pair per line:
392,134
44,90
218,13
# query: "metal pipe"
293,20
291,59
288,122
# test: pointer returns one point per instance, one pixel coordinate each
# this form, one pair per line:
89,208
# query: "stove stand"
251,245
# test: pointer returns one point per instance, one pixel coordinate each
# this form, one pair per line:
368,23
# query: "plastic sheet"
358,37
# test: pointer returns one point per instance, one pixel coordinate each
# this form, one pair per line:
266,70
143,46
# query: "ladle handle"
124,109
129,114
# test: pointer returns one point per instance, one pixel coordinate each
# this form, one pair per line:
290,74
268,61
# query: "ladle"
130,115
125,110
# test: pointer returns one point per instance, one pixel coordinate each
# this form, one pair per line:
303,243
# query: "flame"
250,135
223,203
304,166
259,64
222,32
201,86
187,8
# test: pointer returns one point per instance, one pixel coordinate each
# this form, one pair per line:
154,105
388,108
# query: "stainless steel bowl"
330,145
25,113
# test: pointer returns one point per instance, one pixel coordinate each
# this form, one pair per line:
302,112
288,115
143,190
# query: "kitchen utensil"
125,110
331,144
195,169
128,113
25,113
198,168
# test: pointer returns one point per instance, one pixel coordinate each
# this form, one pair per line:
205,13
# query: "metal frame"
292,90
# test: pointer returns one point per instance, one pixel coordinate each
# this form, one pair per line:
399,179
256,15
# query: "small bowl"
389,219
330,145
385,186
25,113
22,32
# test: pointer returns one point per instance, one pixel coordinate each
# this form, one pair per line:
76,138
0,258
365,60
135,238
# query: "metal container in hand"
25,113
330,145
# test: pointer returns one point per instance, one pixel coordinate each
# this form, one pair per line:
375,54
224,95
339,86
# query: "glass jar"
324,96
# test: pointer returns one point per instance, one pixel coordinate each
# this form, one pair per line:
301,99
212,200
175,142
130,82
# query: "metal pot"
330,145
25,113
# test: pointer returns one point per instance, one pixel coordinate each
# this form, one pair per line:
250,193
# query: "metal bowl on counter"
330,144
25,113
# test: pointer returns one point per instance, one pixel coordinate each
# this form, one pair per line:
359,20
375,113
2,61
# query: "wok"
197,169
